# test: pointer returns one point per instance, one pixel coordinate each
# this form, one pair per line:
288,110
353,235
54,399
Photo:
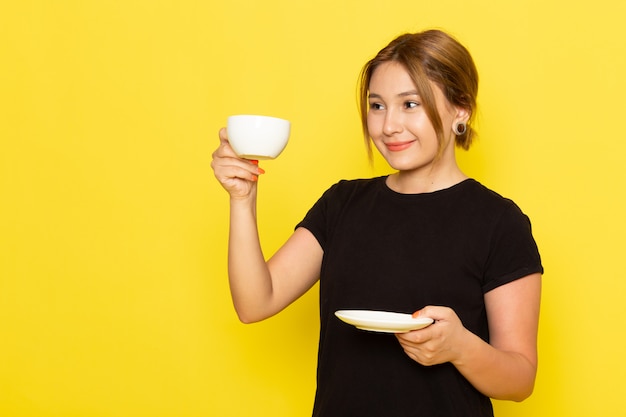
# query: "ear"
462,115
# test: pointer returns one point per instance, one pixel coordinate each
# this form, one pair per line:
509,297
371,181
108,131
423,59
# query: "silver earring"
459,128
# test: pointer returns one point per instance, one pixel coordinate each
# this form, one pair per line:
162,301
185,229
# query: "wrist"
244,199
243,205
465,348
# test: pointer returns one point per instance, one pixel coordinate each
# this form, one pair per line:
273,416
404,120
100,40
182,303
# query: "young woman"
425,239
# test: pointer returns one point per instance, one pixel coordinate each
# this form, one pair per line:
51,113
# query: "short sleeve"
317,219
514,253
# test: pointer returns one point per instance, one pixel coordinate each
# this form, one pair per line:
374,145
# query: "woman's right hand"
238,176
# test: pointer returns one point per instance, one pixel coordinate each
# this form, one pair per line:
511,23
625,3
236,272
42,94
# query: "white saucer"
383,321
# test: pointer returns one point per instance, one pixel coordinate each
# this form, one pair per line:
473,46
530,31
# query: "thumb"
431,312
223,135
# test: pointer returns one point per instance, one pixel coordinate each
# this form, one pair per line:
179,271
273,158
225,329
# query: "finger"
433,312
228,167
226,150
223,161
415,337
232,165
227,173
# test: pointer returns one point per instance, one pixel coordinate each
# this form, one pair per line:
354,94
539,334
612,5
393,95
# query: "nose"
392,123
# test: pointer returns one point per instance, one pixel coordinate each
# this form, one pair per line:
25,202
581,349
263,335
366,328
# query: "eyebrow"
403,94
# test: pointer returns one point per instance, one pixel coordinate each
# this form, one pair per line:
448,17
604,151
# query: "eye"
376,106
411,104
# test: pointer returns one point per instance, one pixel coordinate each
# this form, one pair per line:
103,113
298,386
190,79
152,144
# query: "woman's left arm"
505,368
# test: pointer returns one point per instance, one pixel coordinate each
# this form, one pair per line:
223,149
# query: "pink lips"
398,146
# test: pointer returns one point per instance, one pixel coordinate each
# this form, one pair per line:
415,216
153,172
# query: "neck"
434,179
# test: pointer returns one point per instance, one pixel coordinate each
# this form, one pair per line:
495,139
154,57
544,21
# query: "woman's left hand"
438,343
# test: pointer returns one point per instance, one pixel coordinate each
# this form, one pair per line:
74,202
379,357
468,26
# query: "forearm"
496,373
249,277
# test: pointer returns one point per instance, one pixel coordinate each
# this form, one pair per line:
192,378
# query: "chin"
407,164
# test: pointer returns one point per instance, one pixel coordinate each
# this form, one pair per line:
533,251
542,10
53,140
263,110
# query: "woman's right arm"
260,289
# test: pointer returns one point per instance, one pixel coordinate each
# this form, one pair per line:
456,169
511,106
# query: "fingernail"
261,170
255,178
416,314
254,161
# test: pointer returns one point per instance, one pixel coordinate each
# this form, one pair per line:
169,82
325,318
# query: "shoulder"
358,184
491,212
336,202
486,198
345,193
347,189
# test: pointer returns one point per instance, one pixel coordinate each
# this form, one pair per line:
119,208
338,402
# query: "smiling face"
399,126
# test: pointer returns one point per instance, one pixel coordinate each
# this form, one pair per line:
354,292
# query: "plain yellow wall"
113,290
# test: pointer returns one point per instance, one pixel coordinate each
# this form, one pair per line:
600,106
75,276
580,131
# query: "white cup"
257,137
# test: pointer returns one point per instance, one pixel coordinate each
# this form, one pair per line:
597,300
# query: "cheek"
421,127
373,125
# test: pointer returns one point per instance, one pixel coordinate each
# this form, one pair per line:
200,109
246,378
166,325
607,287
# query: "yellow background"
113,293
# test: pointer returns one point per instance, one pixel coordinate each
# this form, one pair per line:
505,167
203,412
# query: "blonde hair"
433,56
